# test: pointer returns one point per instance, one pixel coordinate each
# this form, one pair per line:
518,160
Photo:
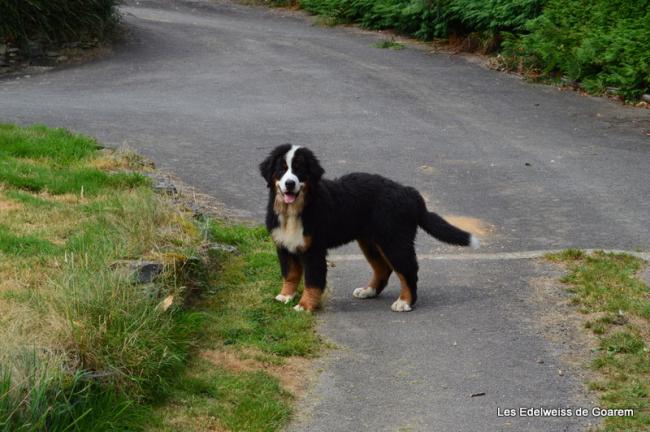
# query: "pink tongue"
289,198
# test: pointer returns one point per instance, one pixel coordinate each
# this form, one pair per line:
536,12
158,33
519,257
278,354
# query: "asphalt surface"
207,89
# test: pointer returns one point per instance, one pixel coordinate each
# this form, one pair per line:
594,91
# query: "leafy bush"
598,42
494,15
55,21
426,19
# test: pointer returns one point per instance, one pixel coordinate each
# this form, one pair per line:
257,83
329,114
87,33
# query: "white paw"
474,242
284,298
298,308
364,292
400,306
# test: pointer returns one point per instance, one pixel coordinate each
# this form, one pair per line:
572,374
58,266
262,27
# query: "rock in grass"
139,271
222,247
162,185
646,98
146,271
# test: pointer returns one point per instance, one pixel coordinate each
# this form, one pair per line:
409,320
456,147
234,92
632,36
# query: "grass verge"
86,348
251,358
606,288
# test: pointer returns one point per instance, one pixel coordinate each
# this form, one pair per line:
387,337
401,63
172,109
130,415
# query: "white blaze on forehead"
289,175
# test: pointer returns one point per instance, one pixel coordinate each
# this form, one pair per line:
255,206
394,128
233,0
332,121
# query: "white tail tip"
474,242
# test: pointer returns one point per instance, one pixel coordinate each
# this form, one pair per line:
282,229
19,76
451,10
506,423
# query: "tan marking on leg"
290,284
310,299
381,270
381,252
405,293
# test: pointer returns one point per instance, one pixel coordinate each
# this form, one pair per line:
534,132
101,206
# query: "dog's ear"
268,165
314,170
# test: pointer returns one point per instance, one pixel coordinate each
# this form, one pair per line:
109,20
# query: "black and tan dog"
307,215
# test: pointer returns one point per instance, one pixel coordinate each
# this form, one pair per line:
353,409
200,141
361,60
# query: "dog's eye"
284,165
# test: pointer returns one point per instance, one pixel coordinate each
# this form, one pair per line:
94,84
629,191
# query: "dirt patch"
561,324
293,374
470,224
196,423
6,206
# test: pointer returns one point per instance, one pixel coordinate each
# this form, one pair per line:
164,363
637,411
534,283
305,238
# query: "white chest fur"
289,234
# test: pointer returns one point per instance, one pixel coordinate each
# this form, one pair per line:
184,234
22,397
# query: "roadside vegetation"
606,288
389,44
56,21
598,45
251,361
84,347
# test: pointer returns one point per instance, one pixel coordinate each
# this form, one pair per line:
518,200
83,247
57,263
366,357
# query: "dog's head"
291,170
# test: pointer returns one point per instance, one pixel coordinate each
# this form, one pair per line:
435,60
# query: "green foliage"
56,21
494,15
601,43
426,19
389,44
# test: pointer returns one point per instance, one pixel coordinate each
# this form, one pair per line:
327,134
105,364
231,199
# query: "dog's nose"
290,184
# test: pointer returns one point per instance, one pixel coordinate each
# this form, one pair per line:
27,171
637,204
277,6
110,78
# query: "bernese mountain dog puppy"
307,215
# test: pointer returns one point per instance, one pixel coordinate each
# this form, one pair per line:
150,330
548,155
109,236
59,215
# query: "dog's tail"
443,230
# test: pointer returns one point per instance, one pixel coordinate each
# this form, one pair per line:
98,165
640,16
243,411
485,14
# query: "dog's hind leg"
291,274
380,271
401,257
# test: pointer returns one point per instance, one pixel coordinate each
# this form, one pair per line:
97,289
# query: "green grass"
243,318
83,348
247,284
210,397
17,245
36,159
606,288
389,44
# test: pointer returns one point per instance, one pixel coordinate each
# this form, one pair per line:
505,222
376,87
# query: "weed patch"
84,348
389,44
607,289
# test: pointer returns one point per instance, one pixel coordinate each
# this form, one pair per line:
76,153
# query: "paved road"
207,89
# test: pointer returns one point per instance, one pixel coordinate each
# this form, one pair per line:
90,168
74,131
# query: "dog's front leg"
315,267
291,274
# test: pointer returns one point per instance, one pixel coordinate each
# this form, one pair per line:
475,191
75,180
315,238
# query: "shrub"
598,42
55,21
426,19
